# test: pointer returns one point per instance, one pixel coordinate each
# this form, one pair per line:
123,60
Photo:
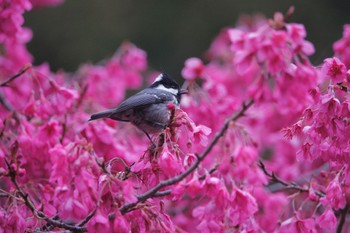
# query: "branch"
5,103
287,185
102,164
153,191
22,71
87,219
81,96
211,171
162,193
344,212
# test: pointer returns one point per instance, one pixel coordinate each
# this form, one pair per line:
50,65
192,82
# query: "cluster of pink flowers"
279,165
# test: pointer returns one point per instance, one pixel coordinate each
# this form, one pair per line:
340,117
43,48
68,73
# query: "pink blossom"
244,206
269,220
341,47
297,33
334,195
327,220
99,223
237,38
200,134
51,132
170,165
334,69
194,68
297,225
16,221
348,79
296,123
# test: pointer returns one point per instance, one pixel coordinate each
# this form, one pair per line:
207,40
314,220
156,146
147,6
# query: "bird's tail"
99,115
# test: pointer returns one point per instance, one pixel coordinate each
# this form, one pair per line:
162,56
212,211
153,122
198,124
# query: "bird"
148,109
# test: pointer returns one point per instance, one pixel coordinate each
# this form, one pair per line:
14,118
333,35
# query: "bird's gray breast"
152,119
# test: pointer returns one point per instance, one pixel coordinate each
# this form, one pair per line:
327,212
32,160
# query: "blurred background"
169,31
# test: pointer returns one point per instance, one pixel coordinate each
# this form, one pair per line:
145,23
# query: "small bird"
148,109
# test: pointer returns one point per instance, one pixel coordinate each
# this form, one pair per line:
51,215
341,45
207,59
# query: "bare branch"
162,193
5,103
102,164
211,171
344,212
82,95
287,185
22,71
153,191
87,219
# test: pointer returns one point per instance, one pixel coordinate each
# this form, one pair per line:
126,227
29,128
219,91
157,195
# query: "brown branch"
162,193
81,96
211,171
102,164
87,219
153,191
5,103
64,128
287,184
22,71
344,212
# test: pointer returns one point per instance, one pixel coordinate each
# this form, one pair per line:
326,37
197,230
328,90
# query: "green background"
169,31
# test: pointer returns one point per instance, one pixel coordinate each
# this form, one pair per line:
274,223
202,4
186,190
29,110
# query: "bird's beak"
183,91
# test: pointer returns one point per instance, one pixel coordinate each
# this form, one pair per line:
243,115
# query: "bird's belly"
153,119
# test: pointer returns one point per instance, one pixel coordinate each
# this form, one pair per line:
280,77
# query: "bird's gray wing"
140,100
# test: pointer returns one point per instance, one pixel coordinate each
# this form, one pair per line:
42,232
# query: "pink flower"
238,38
348,79
327,220
170,165
134,57
297,225
194,68
341,47
334,195
334,69
99,223
50,132
297,33
244,206
200,134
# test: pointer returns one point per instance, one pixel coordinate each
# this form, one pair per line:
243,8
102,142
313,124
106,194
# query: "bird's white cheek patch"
171,90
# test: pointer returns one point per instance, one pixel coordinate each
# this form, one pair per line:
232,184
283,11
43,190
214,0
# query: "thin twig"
5,103
22,71
81,96
151,192
344,212
64,128
211,171
87,219
287,185
102,164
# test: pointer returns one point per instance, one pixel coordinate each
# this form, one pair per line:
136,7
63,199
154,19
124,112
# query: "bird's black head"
166,83
165,80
